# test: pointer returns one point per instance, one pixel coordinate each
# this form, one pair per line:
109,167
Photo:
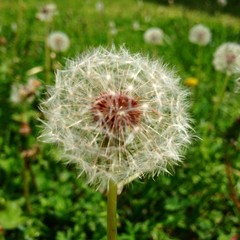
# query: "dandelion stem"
220,98
112,211
47,56
199,60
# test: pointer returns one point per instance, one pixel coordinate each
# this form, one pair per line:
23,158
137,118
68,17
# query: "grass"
196,202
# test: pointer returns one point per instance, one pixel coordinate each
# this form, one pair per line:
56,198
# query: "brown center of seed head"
230,58
115,111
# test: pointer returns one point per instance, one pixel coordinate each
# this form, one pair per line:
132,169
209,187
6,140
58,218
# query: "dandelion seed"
227,58
154,36
200,35
58,41
121,127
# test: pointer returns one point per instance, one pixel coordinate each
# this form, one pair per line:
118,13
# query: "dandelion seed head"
200,35
222,3
47,12
99,6
154,36
122,127
227,58
58,41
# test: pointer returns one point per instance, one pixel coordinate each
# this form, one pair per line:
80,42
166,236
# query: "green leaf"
11,215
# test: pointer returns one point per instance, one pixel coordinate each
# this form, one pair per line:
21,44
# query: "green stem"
112,211
199,60
47,56
220,98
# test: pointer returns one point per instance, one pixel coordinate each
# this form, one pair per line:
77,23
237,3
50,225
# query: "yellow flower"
191,82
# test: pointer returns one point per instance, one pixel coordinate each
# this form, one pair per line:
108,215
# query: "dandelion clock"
58,41
154,36
200,35
226,59
117,116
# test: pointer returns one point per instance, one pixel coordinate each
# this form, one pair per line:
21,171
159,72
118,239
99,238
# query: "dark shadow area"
210,6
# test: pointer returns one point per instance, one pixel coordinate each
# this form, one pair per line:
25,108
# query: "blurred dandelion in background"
136,26
112,28
21,92
200,35
227,58
222,3
154,36
47,12
14,27
99,6
58,41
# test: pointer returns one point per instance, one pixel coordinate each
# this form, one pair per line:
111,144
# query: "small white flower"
47,12
58,41
222,3
200,35
227,58
154,36
122,128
